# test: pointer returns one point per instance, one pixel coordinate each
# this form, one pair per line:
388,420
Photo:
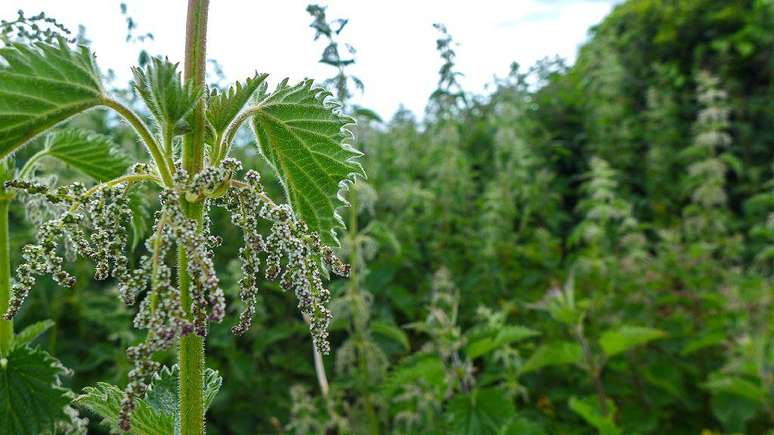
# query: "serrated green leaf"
163,394
30,333
93,154
42,85
157,412
626,337
392,332
495,339
105,401
480,412
31,399
223,107
169,99
553,354
212,383
588,409
301,134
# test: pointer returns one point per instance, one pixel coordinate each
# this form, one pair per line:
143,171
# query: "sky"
395,40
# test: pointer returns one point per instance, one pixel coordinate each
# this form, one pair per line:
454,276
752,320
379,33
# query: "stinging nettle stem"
191,349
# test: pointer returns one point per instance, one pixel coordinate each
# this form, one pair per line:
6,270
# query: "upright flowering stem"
6,326
191,351
195,67
358,320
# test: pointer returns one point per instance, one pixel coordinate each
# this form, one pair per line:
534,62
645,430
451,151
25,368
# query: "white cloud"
396,56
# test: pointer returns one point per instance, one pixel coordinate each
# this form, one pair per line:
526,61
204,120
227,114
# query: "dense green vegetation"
588,248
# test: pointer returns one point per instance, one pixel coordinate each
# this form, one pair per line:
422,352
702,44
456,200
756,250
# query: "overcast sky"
395,40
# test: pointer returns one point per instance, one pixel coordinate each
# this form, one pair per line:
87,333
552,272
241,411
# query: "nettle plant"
301,133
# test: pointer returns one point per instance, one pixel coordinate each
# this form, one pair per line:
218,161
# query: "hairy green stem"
6,326
30,164
217,154
132,178
168,141
319,369
195,68
233,127
191,349
190,361
163,163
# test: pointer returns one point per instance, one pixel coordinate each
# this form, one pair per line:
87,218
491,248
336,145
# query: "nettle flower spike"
294,254
96,223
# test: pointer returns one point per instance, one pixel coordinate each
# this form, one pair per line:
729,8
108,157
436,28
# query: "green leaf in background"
392,332
588,409
702,341
624,338
736,386
667,376
157,413
167,97
480,412
498,338
30,333
733,162
301,133
522,426
553,354
93,154
224,106
41,86
733,411
31,399
363,112
425,368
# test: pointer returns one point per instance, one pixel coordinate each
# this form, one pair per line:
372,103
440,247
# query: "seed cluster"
95,223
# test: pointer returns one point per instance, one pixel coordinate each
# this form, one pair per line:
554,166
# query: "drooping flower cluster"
294,254
36,28
43,257
95,223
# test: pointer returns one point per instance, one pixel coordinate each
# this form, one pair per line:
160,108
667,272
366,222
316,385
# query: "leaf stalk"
163,163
